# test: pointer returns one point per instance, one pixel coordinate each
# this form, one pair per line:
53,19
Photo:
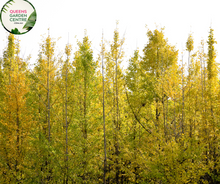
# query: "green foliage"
15,31
5,8
31,21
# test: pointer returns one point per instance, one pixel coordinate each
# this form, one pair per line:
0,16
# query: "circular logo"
18,16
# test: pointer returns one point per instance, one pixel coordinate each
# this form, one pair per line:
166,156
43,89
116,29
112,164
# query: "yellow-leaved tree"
16,119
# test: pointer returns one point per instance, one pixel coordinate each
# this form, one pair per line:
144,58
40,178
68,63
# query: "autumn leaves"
161,118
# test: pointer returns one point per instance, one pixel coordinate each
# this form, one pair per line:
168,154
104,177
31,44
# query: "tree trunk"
103,105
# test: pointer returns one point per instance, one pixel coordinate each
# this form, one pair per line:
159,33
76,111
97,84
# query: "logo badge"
18,16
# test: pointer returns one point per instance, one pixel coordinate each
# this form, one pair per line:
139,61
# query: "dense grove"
75,119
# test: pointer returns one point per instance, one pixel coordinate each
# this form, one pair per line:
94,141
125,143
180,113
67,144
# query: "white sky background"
72,17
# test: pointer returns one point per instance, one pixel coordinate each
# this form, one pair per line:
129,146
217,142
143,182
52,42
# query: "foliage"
31,21
161,123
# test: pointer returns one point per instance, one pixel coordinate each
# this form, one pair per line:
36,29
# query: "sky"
69,19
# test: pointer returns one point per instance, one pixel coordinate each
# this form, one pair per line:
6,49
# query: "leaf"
31,21
28,25
4,9
15,31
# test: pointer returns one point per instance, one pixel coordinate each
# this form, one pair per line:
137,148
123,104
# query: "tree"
103,104
16,119
87,111
213,85
45,93
158,58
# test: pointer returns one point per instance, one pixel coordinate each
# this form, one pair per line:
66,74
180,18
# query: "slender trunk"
183,101
201,77
163,101
82,122
117,123
135,150
18,138
202,86
205,115
117,111
189,102
66,123
48,111
189,85
85,125
157,101
174,117
164,115
84,104
48,96
103,104
39,137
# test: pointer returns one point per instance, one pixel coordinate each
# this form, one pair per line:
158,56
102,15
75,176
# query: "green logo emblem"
18,16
